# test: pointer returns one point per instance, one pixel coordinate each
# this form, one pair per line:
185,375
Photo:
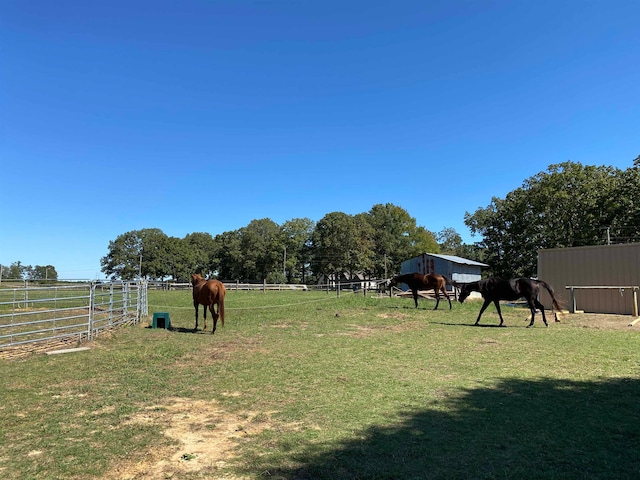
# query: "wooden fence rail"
634,289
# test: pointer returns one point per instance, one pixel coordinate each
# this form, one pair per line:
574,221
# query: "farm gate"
39,318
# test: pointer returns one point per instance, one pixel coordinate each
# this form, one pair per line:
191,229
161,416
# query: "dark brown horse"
496,289
208,293
417,281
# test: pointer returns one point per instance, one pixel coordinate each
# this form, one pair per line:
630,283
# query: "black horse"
496,289
417,281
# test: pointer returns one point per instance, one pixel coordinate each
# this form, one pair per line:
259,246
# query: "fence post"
572,300
635,301
111,304
125,300
92,304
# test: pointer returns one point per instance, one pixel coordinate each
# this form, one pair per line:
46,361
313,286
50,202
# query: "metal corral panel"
605,265
458,269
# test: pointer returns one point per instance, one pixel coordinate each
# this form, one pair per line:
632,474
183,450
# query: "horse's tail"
221,305
448,281
549,289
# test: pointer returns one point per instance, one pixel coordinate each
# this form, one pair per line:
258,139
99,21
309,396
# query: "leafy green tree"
334,244
396,237
227,259
422,241
139,252
625,200
179,260
262,247
44,272
449,240
202,248
297,243
364,255
16,271
568,205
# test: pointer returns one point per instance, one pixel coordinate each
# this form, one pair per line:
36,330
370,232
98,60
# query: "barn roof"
460,260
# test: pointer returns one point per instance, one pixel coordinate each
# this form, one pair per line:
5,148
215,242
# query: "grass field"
306,385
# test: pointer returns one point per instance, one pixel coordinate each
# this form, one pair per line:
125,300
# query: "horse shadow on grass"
183,330
518,428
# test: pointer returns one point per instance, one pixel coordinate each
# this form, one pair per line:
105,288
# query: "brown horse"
417,281
208,293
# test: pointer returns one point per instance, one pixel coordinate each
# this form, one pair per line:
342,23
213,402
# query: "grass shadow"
517,429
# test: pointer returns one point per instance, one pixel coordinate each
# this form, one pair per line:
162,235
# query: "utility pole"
284,264
385,265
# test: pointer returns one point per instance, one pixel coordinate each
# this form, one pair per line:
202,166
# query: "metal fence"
46,317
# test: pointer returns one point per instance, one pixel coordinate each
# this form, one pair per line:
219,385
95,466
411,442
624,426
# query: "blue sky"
195,116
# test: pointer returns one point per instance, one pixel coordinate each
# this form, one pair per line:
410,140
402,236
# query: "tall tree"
137,252
297,242
568,205
16,271
44,272
625,199
334,243
449,240
179,259
202,248
262,247
364,256
396,238
227,259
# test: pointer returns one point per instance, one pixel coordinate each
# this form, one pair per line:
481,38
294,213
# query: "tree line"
568,205
19,271
298,251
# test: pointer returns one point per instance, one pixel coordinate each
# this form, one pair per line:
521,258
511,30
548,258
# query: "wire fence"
41,318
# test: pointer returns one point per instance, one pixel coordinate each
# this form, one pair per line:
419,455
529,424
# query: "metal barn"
606,278
458,269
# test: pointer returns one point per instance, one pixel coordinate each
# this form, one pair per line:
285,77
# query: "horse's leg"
484,307
204,328
415,296
497,304
195,304
532,308
215,316
541,308
444,291
437,297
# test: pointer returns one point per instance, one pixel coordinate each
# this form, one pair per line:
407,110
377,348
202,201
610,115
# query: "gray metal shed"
458,269
615,269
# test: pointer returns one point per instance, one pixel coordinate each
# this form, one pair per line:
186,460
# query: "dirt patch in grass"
600,320
203,438
362,331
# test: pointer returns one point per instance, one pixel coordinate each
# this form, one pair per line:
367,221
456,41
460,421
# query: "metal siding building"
457,269
605,265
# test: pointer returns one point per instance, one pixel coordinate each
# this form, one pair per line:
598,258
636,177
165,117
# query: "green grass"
307,385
